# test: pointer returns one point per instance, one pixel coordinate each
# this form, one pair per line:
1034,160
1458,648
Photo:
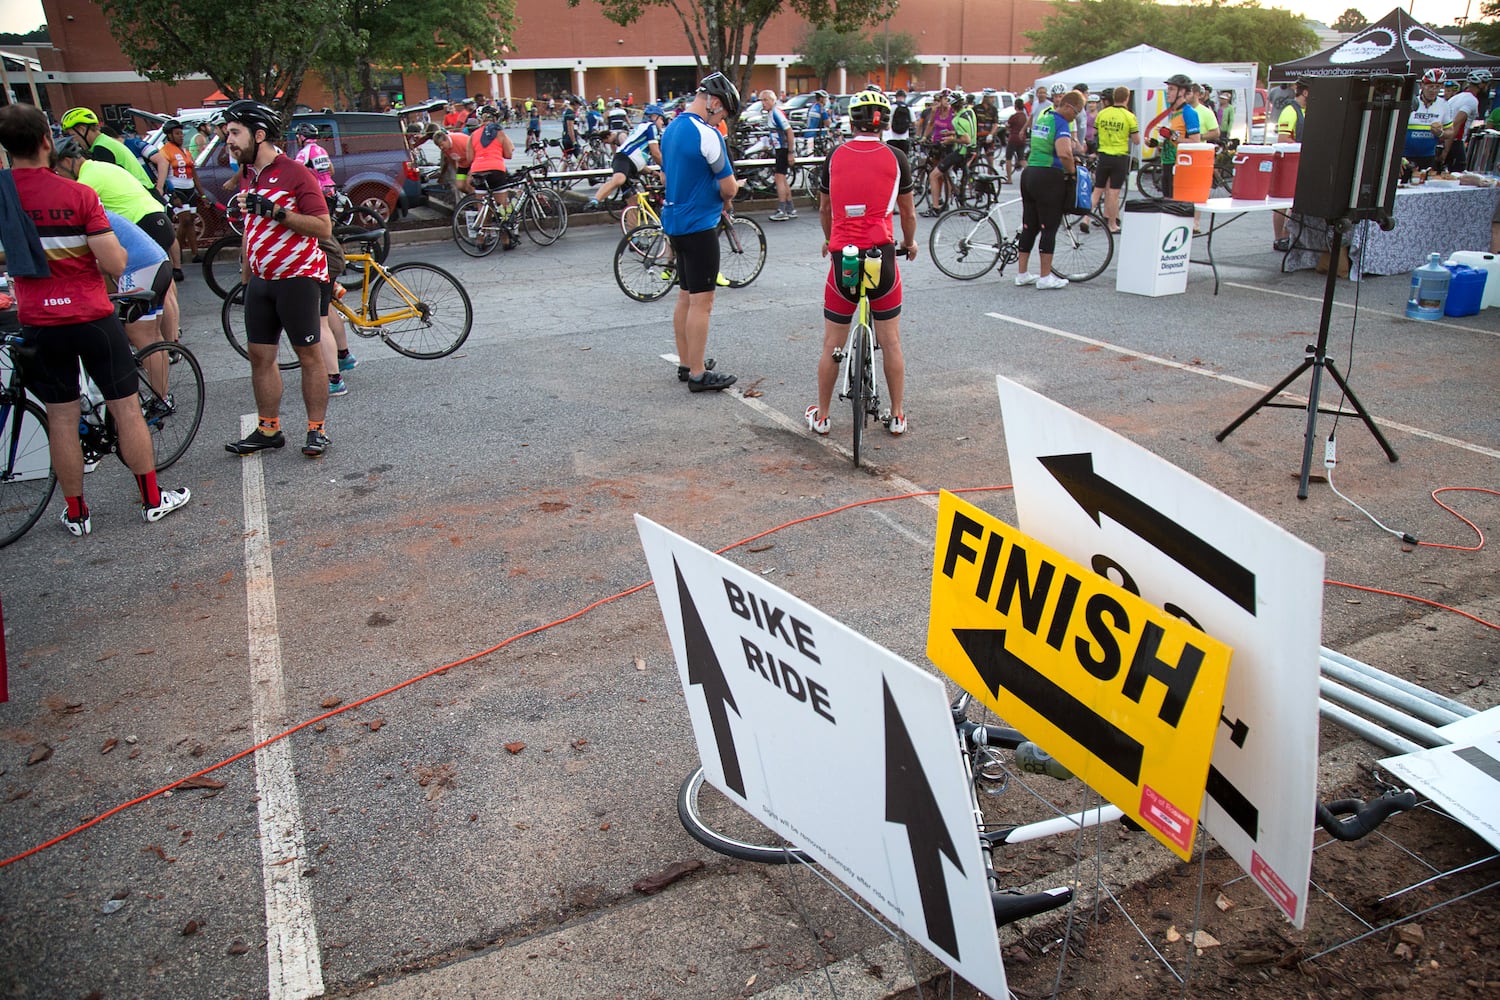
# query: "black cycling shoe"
682,370
317,444
710,382
256,441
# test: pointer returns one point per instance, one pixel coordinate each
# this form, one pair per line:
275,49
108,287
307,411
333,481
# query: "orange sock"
269,425
316,425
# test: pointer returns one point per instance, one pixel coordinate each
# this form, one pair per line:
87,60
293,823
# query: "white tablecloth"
1428,219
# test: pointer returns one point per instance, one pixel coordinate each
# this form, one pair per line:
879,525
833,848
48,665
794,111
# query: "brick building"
559,49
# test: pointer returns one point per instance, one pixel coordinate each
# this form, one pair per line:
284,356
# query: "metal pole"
1456,707
1381,712
1419,707
1372,733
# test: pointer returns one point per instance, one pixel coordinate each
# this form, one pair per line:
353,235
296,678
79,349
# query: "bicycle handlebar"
1012,906
1366,816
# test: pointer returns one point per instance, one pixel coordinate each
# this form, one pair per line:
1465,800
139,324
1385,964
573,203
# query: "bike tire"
27,481
1148,179
472,238
862,392
544,217
444,313
1081,256
742,251
632,216
221,264
964,243
173,418
232,319
641,264
723,827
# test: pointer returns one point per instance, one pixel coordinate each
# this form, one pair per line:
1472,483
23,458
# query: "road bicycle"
645,267
169,383
358,230
966,243
419,310
481,222
858,383
718,823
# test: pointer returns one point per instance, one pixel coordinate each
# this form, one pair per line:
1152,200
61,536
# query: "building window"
553,83
448,86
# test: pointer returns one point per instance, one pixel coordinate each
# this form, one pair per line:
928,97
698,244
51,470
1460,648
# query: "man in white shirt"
1464,110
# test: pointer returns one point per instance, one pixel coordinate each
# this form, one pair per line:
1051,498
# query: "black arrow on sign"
999,668
1097,495
704,670
909,802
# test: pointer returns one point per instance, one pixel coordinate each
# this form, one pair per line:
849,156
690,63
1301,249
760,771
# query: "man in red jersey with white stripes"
285,272
862,183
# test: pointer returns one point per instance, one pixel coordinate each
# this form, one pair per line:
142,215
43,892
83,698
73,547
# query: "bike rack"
1392,713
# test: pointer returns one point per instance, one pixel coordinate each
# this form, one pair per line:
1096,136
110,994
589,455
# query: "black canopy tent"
1397,44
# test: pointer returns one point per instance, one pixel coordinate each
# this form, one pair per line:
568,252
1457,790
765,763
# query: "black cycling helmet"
489,111
307,130
254,115
718,85
69,147
1179,80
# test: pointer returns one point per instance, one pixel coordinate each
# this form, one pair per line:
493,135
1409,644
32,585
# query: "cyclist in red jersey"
67,317
285,269
863,182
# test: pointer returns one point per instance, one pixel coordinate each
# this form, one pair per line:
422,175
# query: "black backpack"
900,119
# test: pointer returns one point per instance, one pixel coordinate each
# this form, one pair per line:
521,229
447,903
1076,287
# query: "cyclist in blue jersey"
782,147
643,142
700,187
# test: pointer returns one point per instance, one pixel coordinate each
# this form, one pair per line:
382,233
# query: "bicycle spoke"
170,386
26,479
642,266
422,311
1080,256
965,243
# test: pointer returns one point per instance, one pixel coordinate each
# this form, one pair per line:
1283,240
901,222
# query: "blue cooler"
1465,291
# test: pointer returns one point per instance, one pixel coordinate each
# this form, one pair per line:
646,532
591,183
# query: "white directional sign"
1189,549
1462,777
833,742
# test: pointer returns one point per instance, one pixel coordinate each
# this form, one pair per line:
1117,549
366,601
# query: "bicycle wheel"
742,251
718,823
232,318
632,216
173,416
26,477
1080,256
643,267
476,230
356,236
1148,179
545,217
440,314
862,389
964,243
221,264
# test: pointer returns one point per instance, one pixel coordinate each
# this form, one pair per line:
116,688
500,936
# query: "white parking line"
1478,449
292,957
1350,305
902,484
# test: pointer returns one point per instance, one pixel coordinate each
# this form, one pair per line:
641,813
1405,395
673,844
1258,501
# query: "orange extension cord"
636,589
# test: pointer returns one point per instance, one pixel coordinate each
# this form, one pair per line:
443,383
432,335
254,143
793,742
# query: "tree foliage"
725,34
1484,34
1350,20
823,49
1213,31
35,36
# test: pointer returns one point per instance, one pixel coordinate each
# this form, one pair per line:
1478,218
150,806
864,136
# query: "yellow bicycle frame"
411,307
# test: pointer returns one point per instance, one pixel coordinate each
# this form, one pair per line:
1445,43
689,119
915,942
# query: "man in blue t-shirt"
700,187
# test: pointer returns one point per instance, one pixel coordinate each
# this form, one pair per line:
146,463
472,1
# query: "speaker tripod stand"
1316,359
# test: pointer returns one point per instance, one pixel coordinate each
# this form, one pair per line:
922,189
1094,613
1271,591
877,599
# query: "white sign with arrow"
1195,552
833,742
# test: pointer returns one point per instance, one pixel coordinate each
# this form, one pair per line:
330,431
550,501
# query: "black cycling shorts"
1113,172
289,304
697,260
52,373
783,161
953,159
622,164
159,228
489,180
325,297
1015,152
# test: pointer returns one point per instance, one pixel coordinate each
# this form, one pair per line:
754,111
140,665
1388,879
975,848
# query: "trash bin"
1156,240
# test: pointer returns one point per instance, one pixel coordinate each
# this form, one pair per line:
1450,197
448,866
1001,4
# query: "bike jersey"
817,115
143,151
1050,127
110,150
637,145
66,214
593,120
1423,126
487,149
143,255
1466,102
777,122
119,191
619,120
1207,120
458,151
941,126
1114,125
275,251
1291,122
694,159
179,167
862,180
569,138
964,127
315,158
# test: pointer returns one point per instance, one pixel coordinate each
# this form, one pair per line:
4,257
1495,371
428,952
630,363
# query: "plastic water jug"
1429,289
1465,290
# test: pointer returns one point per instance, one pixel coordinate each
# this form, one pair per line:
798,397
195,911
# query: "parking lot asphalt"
478,832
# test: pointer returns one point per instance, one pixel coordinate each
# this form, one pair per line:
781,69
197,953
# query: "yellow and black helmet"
869,111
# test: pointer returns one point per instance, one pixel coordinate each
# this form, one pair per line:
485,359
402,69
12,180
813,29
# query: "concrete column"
843,80
651,85
781,79
578,75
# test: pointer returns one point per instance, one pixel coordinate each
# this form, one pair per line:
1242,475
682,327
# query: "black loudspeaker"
1351,147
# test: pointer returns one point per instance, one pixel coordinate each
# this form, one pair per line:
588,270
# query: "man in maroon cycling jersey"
67,318
286,274
862,183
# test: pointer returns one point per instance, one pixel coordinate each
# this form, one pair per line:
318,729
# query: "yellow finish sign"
1121,693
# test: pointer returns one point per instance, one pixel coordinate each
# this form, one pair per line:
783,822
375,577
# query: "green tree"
1350,20
1484,34
259,50
36,35
725,34
1213,31
823,49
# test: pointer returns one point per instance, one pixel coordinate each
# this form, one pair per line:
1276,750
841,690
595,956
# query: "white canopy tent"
1144,69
